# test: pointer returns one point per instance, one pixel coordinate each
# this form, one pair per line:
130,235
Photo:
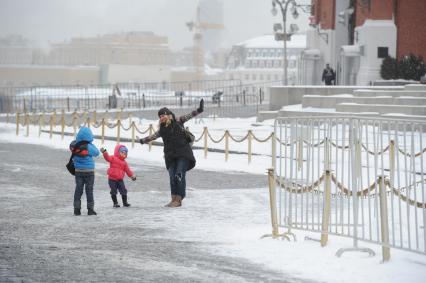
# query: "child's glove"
133,178
103,150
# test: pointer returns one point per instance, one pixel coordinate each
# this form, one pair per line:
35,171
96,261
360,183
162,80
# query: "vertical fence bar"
27,124
103,131
51,126
249,138
150,133
133,133
384,220
62,123
273,202
17,123
226,145
354,183
326,209
205,133
118,130
274,148
40,121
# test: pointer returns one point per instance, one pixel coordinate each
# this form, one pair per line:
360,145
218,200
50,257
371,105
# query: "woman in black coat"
178,153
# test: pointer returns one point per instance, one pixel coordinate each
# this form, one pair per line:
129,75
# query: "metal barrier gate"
355,177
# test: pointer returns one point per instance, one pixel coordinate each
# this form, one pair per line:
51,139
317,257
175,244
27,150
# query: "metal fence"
216,93
354,177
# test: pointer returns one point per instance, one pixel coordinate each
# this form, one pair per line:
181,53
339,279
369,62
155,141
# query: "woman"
177,150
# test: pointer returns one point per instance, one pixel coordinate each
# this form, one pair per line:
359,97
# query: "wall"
411,27
30,75
325,13
373,10
132,73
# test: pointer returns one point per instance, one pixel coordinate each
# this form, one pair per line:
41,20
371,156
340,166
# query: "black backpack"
75,149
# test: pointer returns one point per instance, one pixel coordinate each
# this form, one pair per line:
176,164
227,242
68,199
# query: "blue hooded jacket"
86,162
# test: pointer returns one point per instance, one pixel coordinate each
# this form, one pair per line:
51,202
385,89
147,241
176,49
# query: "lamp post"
283,6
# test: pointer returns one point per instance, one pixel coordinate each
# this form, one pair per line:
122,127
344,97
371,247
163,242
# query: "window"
253,77
382,52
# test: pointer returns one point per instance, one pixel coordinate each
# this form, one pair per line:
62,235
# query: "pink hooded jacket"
117,165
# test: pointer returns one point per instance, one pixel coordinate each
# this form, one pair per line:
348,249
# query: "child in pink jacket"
117,168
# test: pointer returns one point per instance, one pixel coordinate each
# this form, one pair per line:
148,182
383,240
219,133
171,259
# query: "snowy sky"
58,20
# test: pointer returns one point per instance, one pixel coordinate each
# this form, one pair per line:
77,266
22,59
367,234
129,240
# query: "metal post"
133,134
205,141
273,202
143,100
103,131
226,145
326,209
384,220
273,148
284,12
283,6
118,130
249,137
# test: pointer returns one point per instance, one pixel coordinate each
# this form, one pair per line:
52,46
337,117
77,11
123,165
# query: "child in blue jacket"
84,151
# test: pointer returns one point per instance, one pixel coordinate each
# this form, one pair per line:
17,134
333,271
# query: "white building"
260,60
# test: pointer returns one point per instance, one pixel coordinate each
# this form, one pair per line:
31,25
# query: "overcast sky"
59,20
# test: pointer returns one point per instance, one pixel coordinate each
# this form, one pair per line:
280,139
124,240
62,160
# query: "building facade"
354,36
260,60
130,48
116,57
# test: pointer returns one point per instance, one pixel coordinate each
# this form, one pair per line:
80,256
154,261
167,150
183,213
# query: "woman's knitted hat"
164,111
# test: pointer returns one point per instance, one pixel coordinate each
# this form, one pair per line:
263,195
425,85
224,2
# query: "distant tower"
198,28
211,11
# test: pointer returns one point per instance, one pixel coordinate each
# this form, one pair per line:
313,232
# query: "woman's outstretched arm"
194,113
150,138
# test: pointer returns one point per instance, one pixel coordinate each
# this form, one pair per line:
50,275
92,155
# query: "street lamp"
283,6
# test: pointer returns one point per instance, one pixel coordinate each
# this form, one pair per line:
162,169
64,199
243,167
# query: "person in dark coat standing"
328,75
178,153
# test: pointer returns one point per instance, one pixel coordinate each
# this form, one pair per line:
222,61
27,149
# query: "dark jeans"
177,172
117,185
84,180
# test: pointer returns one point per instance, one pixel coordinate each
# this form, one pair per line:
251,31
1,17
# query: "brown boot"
177,202
170,203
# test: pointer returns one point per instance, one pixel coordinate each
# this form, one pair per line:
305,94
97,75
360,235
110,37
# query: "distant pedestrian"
84,151
117,168
328,75
178,153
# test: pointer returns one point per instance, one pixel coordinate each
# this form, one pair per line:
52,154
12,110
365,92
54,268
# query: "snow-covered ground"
236,219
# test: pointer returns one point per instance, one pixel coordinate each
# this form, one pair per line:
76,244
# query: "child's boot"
125,203
114,200
90,211
77,211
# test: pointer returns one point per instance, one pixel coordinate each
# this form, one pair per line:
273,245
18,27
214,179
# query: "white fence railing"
355,177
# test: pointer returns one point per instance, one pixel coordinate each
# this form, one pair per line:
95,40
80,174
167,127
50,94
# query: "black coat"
175,144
